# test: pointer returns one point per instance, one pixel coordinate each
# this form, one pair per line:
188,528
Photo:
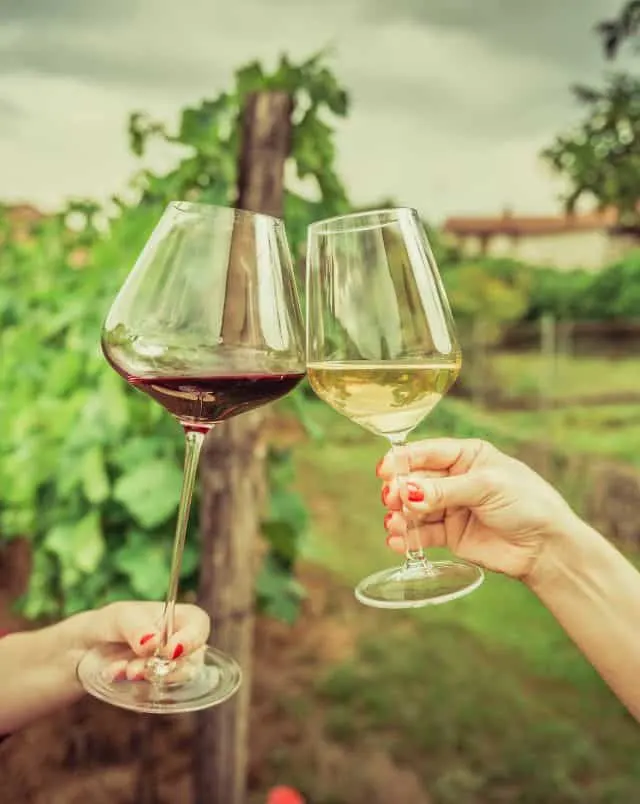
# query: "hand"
484,506
137,624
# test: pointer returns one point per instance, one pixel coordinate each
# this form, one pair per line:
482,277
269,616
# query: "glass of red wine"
208,324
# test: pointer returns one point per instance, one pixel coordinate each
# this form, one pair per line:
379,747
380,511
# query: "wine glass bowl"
382,350
208,325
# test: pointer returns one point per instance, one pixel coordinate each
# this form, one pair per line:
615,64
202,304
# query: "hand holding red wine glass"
208,324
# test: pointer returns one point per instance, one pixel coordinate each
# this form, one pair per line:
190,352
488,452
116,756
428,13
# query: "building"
21,218
591,241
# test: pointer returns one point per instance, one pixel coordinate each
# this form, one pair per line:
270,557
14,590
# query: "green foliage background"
90,471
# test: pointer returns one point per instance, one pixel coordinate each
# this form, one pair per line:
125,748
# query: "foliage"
615,292
493,292
503,292
90,469
210,132
600,158
561,293
615,32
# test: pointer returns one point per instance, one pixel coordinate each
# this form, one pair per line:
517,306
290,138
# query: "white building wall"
591,250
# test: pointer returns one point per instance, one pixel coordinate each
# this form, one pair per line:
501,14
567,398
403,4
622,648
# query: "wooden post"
480,361
232,473
548,352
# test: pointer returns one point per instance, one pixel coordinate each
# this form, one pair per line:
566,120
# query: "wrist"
570,550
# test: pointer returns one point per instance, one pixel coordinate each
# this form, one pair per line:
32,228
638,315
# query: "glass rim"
385,216
212,209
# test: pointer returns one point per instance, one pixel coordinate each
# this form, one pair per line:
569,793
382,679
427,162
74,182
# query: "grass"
486,699
528,372
608,431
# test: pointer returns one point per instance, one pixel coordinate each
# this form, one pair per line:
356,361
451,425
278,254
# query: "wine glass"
208,324
382,350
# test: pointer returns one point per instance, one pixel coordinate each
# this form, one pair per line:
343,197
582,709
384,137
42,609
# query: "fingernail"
385,493
120,675
139,676
146,638
379,466
394,541
178,651
414,493
387,519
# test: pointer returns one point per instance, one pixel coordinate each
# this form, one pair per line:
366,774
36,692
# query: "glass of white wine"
382,351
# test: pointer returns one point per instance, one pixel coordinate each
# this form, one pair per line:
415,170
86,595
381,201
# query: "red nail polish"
121,675
146,638
387,519
414,493
178,651
379,466
384,494
139,676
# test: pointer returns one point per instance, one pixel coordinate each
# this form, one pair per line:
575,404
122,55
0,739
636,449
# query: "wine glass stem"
193,445
415,557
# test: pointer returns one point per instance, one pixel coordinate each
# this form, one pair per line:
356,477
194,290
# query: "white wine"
388,398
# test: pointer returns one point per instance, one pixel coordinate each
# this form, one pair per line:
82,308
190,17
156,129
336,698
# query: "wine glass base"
204,679
410,588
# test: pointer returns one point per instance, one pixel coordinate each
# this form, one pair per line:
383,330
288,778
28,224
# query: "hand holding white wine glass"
207,324
382,350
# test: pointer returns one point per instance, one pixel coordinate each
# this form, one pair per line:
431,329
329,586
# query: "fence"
552,363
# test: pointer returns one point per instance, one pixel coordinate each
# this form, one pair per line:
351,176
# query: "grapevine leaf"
78,545
145,563
150,492
94,476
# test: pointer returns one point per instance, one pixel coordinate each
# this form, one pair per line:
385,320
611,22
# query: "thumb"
427,494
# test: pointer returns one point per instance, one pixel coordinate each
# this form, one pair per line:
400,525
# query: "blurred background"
514,128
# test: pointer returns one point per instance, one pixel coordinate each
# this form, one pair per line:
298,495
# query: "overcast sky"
452,100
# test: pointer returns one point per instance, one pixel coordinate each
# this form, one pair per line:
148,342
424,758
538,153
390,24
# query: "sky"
452,100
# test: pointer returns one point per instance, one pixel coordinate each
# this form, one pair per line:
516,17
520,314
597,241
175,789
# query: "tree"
600,158
616,31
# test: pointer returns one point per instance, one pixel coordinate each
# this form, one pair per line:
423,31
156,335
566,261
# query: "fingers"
427,495
390,494
139,623
429,534
192,631
440,454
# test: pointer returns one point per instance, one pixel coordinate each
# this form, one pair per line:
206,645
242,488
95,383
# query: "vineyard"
482,701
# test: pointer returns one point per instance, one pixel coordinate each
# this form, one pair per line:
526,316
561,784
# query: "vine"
89,470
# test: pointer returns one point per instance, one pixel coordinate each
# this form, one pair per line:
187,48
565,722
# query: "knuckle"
492,479
482,447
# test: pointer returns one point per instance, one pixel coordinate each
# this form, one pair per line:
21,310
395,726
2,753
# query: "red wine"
200,402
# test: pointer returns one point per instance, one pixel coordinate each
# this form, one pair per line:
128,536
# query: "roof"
509,224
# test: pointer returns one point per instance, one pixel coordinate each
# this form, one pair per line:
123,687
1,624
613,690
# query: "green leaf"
95,481
40,599
150,492
80,545
145,563
282,538
287,506
280,595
